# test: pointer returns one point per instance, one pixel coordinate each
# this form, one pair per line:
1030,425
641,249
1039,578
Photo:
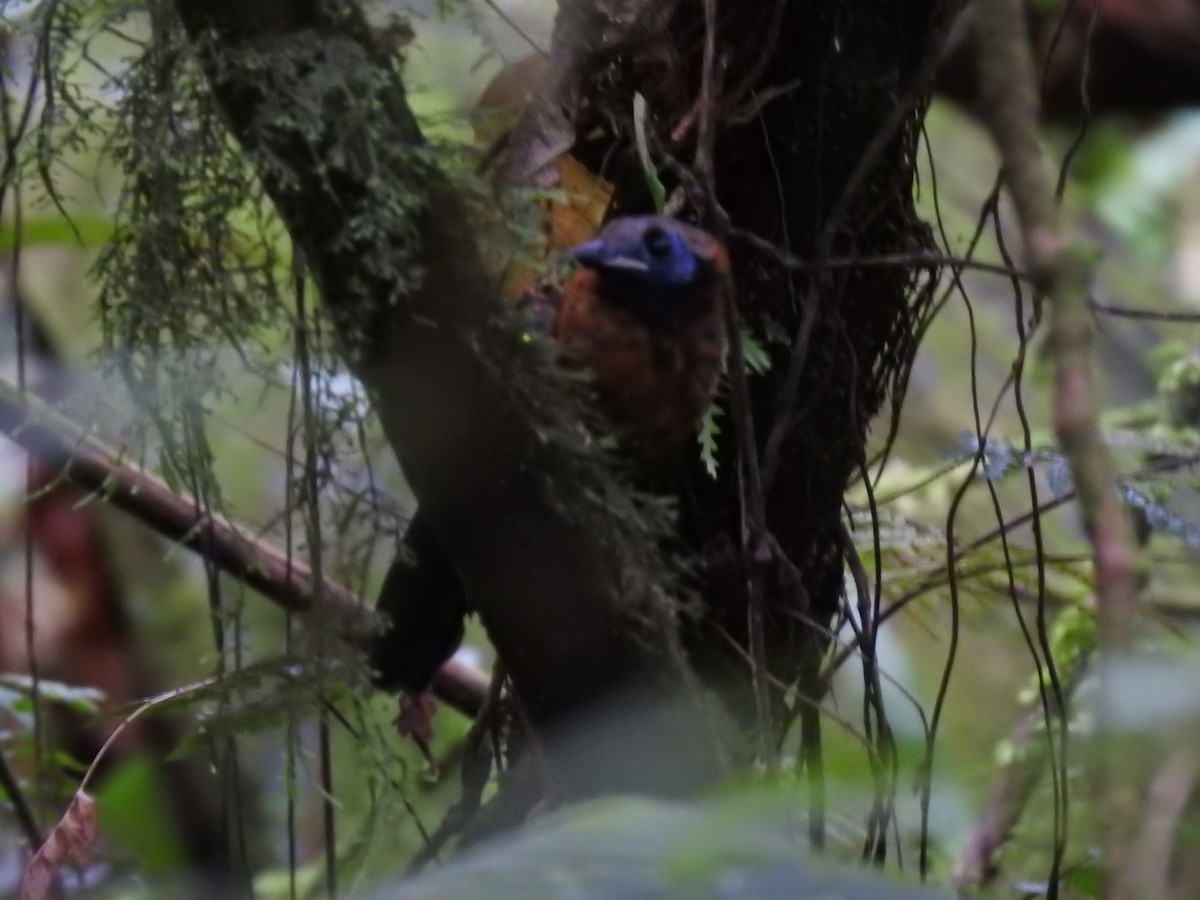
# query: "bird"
643,314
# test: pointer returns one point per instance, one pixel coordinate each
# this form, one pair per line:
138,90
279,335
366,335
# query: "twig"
144,707
904,260
1011,792
1158,866
476,770
62,444
21,808
879,730
755,540
1061,273
1155,315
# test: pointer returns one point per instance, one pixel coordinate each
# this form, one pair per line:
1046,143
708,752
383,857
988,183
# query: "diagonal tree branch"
62,445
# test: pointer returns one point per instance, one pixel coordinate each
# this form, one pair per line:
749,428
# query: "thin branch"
1154,315
1062,272
1027,760
1159,869
905,260
20,806
752,501
62,444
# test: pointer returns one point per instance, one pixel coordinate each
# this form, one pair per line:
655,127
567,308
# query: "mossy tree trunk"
816,119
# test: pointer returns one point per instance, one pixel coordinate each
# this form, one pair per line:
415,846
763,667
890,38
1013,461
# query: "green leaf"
134,814
1085,879
81,699
758,360
57,231
709,429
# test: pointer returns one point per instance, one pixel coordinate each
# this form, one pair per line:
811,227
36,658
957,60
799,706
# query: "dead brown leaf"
71,839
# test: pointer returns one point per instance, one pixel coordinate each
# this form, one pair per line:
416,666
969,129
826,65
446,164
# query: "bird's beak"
590,254
596,254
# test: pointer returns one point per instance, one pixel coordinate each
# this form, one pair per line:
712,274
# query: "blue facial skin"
657,257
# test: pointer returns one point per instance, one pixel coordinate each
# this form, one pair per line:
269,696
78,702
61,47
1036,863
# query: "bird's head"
648,257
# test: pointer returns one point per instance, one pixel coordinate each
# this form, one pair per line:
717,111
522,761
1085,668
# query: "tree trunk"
816,108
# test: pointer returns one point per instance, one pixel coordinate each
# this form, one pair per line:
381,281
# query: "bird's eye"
658,243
